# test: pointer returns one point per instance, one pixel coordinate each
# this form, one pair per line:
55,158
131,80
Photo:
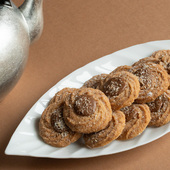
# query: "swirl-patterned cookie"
122,68
160,110
153,81
53,129
164,57
94,82
137,118
87,110
161,57
122,88
147,60
107,135
62,94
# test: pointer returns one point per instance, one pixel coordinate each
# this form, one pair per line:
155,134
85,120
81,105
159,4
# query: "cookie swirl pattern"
122,88
94,82
87,110
137,118
164,57
122,68
61,95
160,110
151,77
107,135
147,60
53,129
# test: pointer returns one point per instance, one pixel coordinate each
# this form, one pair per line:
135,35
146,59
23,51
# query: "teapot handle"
32,12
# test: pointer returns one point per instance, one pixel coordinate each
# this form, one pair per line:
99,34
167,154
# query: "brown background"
75,33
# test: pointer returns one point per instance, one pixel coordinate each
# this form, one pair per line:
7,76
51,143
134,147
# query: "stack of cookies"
119,105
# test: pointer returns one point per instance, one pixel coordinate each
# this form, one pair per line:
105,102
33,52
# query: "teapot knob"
5,2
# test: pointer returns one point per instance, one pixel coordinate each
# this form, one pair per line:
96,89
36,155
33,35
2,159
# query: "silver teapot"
19,27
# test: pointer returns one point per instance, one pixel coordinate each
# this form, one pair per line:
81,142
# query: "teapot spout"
32,12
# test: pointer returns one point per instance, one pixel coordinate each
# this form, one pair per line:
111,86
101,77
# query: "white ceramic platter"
26,141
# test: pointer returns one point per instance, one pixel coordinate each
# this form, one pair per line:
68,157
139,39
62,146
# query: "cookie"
122,88
147,60
160,110
94,82
153,81
107,135
122,68
87,110
53,129
62,94
157,58
164,57
137,118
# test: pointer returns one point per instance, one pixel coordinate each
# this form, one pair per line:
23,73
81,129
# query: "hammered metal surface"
18,28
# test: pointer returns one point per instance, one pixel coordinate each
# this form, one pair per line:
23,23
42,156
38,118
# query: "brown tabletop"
75,33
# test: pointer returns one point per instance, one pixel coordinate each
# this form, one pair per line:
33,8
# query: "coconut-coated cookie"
160,110
122,88
122,68
94,82
160,57
137,118
87,110
53,129
153,81
164,57
107,135
62,94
